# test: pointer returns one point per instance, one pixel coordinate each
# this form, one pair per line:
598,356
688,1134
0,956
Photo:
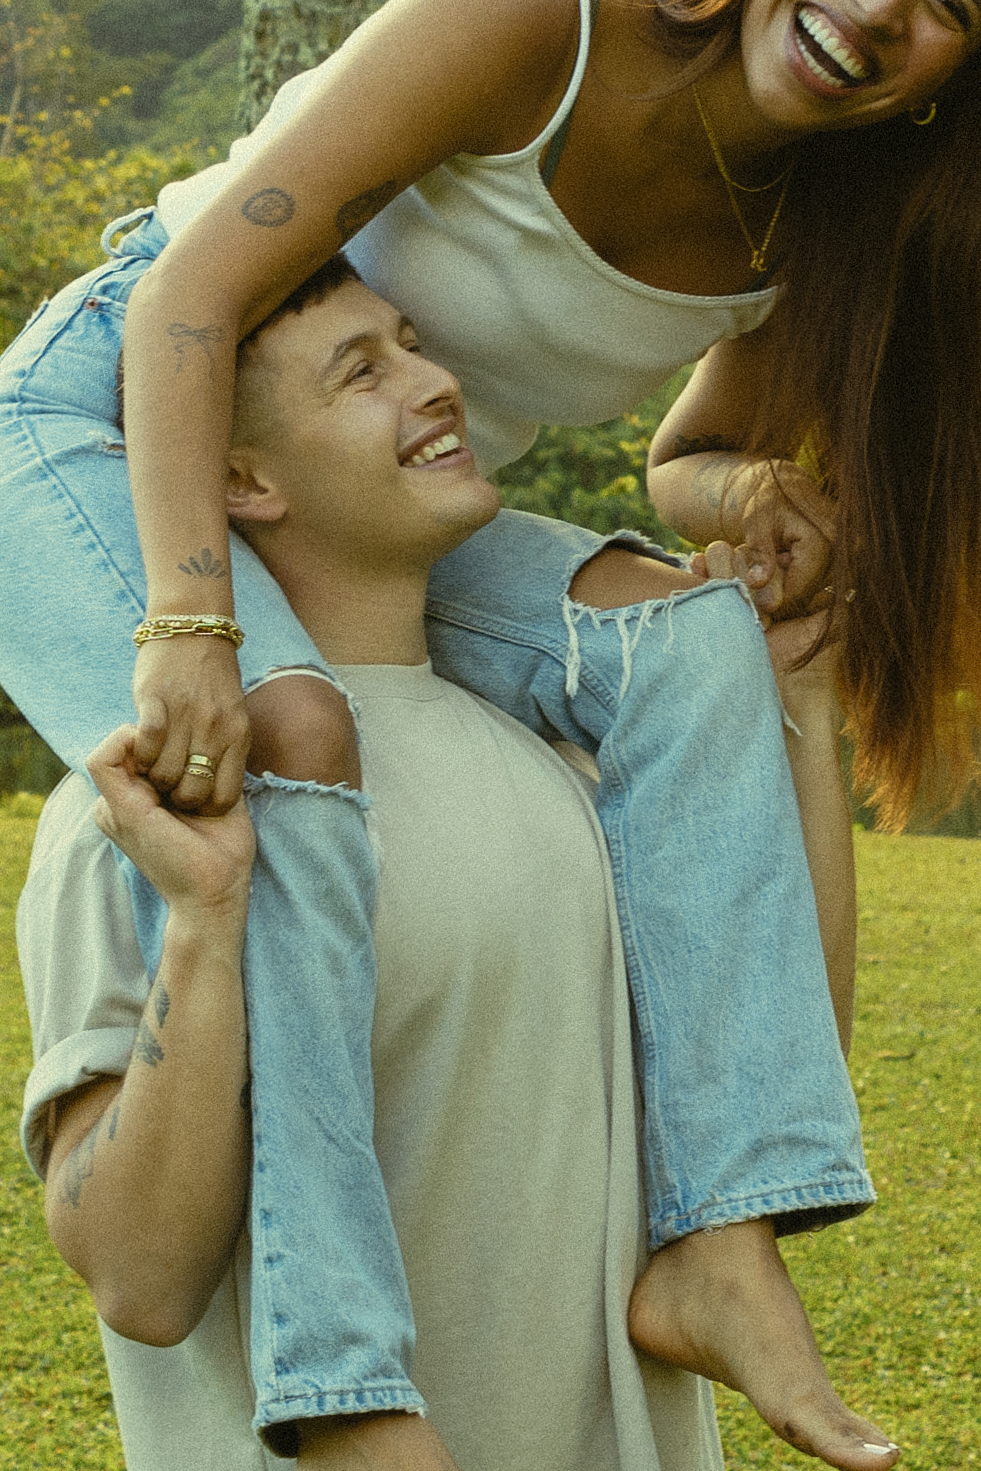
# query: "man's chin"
478,515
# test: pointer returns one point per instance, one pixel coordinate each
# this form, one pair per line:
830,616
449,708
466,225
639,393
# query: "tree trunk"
283,37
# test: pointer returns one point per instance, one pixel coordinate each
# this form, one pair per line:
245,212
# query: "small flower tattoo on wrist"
203,565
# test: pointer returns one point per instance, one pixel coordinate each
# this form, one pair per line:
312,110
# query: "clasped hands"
785,560
777,539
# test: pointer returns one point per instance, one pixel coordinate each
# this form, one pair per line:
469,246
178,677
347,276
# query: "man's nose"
433,385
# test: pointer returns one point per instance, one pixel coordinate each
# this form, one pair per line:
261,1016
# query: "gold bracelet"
170,624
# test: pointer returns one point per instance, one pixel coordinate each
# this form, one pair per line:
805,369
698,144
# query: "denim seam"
643,614
503,632
392,1396
858,1190
76,514
29,440
114,305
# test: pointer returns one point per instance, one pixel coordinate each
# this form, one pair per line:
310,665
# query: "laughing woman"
569,200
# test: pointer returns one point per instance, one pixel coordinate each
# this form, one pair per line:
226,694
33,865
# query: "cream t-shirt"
506,1122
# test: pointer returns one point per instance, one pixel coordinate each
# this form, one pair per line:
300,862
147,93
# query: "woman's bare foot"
721,1304
393,1442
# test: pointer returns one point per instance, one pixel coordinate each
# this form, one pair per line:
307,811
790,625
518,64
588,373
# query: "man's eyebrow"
360,340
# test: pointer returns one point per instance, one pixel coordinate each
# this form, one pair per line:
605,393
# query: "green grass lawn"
894,1296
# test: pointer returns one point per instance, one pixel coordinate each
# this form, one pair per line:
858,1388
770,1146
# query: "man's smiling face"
364,438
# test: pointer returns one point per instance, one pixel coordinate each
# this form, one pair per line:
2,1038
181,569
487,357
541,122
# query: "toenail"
880,1450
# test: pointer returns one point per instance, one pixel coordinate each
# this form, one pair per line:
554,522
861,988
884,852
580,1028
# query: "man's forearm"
147,1207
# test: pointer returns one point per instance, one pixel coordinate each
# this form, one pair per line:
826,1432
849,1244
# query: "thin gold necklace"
758,252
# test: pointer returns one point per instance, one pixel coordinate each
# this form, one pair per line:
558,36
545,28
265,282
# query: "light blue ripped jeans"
748,1106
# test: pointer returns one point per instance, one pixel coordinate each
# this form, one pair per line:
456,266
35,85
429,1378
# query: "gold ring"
202,766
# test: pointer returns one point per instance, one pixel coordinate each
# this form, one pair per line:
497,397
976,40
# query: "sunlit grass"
55,1408
894,1296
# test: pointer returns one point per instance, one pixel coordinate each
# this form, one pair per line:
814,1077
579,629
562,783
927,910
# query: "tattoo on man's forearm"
186,337
161,1003
114,1121
79,1167
270,208
203,565
356,213
146,1046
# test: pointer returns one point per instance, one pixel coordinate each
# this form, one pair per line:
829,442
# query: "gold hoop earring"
928,111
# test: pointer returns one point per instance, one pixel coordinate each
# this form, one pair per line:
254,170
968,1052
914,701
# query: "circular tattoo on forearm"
270,207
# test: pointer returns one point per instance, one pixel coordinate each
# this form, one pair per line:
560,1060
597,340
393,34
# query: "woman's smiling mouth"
829,55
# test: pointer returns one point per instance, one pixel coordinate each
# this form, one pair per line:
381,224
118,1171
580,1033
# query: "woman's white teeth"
832,47
430,452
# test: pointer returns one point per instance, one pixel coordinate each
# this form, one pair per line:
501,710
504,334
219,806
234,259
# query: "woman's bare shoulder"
506,62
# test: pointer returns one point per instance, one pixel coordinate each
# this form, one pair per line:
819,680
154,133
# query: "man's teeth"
430,452
833,48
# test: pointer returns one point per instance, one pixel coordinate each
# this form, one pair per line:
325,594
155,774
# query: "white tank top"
504,292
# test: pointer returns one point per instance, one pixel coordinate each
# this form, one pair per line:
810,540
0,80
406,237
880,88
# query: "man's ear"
250,495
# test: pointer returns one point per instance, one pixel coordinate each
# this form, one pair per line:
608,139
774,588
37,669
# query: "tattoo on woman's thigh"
146,1047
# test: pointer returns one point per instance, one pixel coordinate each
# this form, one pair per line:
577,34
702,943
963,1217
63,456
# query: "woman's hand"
787,552
189,700
783,557
200,866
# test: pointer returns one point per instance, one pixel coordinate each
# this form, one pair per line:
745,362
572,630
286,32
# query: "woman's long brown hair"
877,365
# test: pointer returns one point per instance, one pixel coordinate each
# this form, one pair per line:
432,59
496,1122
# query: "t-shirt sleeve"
84,977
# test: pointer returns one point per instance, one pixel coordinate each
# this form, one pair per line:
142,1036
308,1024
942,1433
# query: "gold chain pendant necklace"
758,252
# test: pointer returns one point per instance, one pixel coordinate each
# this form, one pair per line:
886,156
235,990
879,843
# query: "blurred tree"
154,40
200,104
181,28
52,77
283,37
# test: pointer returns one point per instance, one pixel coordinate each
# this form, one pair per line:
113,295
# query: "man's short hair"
311,292
255,417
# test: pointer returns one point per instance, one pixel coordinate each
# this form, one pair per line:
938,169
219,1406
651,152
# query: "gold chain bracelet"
206,624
